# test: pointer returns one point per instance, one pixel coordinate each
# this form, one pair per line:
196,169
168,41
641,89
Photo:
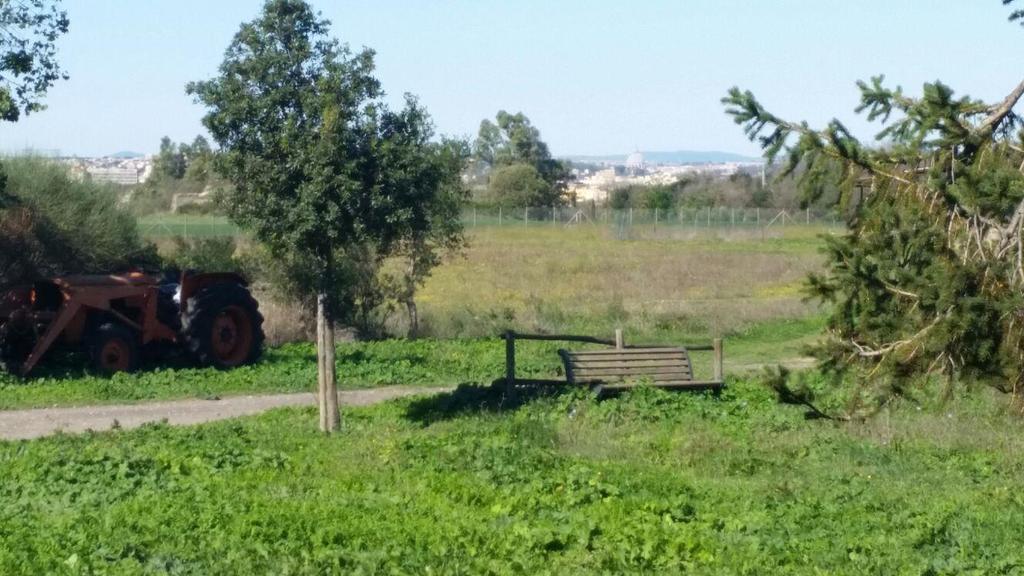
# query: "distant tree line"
743,189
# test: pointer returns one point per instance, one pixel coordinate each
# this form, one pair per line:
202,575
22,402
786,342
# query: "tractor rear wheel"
222,326
114,348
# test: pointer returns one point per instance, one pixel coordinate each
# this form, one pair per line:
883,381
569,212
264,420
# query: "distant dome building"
635,163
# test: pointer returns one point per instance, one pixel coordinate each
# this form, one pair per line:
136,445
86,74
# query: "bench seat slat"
629,351
633,378
641,364
582,372
631,358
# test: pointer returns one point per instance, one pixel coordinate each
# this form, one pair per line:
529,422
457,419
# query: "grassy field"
666,285
653,483
657,283
162,226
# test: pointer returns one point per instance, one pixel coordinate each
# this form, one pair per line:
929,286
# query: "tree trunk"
321,388
328,383
414,318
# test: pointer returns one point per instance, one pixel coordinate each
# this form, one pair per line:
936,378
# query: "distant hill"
677,157
126,154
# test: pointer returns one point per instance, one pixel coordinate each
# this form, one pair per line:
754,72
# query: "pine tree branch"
867,352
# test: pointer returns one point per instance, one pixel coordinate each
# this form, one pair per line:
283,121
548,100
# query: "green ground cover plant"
292,368
652,483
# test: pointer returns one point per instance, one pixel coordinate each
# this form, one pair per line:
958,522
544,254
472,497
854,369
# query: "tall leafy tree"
929,278
29,30
320,164
512,140
171,161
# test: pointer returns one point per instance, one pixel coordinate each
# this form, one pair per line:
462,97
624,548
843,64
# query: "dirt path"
39,422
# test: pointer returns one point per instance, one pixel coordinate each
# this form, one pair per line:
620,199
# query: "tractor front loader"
120,320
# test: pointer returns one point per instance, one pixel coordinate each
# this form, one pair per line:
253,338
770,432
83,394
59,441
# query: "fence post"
619,342
510,360
808,210
553,216
717,344
655,219
499,215
526,217
630,215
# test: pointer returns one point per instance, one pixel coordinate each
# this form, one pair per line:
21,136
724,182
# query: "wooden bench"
618,366
621,368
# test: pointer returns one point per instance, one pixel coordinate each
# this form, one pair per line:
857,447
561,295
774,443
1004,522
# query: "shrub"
205,255
521,185
51,224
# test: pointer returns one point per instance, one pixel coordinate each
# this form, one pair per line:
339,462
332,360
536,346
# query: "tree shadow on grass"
475,399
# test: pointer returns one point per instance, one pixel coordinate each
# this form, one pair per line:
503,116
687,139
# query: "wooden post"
327,390
499,215
655,219
526,217
333,414
630,215
510,360
321,386
717,343
808,211
619,343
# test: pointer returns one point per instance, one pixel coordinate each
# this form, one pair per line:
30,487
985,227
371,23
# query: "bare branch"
998,113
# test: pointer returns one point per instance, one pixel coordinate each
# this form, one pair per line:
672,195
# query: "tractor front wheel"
222,326
114,348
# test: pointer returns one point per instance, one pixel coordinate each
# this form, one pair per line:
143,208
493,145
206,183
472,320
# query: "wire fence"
706,217
565,217
184,226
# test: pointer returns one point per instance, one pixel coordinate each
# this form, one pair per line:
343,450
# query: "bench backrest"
662,365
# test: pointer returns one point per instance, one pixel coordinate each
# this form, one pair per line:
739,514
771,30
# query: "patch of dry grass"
583,278
285,322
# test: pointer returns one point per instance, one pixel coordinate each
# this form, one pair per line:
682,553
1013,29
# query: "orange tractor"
120,320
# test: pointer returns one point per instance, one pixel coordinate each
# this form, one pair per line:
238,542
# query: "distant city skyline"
597,78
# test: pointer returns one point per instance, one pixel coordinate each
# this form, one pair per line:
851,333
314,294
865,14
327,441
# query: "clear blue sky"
595,76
